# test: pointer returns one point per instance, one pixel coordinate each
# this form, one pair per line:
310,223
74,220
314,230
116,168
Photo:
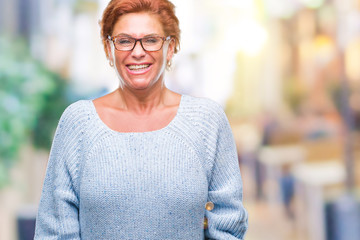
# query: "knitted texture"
104,184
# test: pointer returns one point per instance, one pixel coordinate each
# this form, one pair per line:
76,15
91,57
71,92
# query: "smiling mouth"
138,67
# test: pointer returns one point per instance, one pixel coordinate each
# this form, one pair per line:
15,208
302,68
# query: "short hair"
164,9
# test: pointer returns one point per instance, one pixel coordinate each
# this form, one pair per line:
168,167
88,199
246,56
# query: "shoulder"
205,120
202,104
75,114
207,109
76,109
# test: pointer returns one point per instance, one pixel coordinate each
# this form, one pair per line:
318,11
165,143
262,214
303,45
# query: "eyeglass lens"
148,43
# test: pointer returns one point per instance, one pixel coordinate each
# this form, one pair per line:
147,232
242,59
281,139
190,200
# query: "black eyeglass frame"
139,40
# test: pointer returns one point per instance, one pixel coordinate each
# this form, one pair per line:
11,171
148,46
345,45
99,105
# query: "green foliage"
31,101
48,117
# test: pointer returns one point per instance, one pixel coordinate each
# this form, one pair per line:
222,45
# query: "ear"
171,50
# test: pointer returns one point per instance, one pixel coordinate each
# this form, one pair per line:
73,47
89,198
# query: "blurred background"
286,72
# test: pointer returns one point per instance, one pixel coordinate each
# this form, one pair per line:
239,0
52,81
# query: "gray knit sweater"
103,184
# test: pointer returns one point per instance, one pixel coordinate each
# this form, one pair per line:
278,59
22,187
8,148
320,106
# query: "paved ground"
269,222
266,221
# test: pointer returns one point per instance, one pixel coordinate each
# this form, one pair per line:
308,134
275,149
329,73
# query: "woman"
142,161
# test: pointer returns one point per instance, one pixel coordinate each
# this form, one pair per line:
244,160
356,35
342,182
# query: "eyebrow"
127,35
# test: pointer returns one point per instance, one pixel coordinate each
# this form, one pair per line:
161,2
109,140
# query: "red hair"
164,9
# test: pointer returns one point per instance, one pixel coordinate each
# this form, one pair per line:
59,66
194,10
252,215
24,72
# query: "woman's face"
140,69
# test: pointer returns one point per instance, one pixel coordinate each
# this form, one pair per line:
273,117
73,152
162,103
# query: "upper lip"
145,63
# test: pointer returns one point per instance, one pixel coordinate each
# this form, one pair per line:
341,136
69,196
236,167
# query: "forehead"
138,25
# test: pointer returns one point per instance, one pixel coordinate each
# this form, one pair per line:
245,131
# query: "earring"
168,64
111,63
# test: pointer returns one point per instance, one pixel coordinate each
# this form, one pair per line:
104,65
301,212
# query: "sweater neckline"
101,122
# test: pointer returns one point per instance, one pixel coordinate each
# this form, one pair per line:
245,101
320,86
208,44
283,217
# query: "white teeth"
138,67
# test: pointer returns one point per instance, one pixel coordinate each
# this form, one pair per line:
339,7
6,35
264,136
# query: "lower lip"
138,72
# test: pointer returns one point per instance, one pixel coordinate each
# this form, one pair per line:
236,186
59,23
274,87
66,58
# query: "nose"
138,50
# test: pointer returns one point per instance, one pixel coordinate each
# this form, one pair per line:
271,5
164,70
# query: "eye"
123,41
151,40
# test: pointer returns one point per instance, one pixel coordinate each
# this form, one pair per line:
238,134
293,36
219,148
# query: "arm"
58,214
228,219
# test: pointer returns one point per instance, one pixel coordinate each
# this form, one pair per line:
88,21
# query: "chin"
142,83
139,85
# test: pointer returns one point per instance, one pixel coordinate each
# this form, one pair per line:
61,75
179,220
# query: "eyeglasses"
151,44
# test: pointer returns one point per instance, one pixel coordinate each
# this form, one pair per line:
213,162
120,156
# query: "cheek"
119,57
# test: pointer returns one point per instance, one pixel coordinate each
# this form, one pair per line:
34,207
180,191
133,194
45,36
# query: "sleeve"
228,219
58,213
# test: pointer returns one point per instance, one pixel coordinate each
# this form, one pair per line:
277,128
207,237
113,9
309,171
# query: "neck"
142,101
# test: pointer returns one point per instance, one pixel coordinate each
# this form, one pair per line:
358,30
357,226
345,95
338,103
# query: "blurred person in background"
142,162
